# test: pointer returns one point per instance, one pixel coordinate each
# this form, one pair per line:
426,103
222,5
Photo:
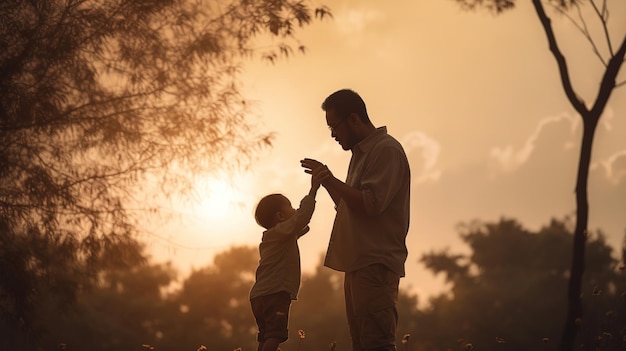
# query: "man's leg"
271,344
350,313
371,294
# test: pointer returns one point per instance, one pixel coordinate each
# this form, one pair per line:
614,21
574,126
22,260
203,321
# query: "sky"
477,103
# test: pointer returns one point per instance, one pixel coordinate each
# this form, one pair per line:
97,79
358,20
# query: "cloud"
356,20
614,167
607,118
508,159
429,150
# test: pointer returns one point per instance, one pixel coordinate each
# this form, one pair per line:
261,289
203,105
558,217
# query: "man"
368,236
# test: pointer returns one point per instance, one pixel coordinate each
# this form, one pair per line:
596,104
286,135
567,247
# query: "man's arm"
337,189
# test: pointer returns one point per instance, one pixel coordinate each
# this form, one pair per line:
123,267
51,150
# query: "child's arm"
298,223
305,211
315,185
320,174
316,180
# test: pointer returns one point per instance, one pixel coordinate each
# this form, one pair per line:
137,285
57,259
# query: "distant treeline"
508,293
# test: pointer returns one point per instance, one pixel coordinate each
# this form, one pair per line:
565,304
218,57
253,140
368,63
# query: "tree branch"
576,102
604,19
608,80
582,28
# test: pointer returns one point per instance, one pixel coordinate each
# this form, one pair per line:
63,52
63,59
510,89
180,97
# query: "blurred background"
138,136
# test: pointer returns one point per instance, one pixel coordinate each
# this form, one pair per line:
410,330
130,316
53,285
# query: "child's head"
273,209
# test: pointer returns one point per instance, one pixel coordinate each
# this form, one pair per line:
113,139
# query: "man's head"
273,209
347,118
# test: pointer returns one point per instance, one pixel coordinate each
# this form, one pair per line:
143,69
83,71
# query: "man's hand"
318,171
310,164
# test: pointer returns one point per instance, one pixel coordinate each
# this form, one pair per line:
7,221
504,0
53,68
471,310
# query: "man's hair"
344,102
266,209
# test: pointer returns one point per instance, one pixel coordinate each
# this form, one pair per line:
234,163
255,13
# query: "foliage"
215,308
320,303
499,6
509,289
142,306
103,100
125,310
612,60
505,293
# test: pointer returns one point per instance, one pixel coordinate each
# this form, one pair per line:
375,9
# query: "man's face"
340,129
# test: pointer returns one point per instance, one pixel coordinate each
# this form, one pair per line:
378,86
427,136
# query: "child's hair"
267,208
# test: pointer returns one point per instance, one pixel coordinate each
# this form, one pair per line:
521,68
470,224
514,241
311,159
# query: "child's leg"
258,311
272,314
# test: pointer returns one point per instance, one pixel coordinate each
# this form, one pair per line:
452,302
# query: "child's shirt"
279,266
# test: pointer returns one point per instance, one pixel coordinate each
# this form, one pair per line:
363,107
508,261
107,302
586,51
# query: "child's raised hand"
319,172
316,180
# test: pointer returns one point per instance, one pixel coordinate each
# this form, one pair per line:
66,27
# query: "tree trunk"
590,119
574,298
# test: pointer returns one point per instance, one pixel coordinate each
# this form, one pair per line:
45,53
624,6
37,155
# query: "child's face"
286,210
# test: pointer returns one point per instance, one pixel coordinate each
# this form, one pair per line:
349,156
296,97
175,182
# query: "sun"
221,212
216,216
221,199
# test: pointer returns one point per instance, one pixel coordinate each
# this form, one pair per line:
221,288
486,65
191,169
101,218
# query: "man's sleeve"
382,179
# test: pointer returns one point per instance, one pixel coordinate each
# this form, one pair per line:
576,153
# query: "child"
278,273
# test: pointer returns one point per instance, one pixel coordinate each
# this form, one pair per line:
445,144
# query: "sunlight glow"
215,217
218,201
220,213
221,198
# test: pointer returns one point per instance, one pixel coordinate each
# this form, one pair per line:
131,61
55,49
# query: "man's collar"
366,144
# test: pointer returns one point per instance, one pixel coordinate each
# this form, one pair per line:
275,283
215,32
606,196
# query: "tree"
507,290
612,60
319,312
101,100
142,305
134,306
214,305
125,310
